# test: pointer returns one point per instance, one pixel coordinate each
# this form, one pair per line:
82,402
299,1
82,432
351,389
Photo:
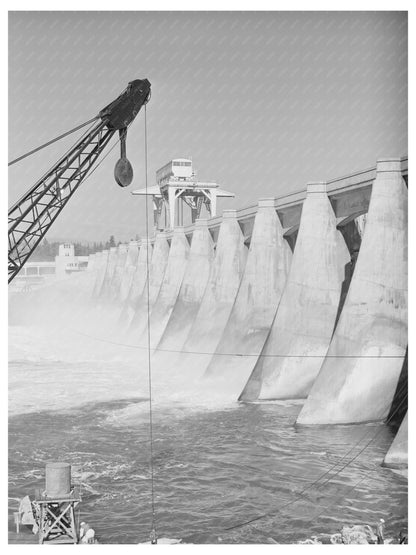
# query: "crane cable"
153,532
95,168
53,141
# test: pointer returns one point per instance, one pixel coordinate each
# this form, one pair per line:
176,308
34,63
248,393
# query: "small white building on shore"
67,262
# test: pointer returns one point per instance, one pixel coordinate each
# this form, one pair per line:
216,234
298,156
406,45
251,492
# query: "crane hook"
123,170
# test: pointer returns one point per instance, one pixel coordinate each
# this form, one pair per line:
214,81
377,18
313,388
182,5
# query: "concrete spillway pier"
109,271
302,328
169,289
101,268
214,311
152,284
192,290
128,271
397,455
256,302
138,282
331,325
118,272
358,378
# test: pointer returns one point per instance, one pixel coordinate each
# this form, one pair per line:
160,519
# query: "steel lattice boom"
32,216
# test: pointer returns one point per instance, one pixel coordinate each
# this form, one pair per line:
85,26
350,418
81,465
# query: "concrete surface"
192,290
111,265
101,269
128,271
169,290
302,329
118,271
221,290
397,455
150,292
358,378
137,283
257,299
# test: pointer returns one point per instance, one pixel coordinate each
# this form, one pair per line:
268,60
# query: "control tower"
177,186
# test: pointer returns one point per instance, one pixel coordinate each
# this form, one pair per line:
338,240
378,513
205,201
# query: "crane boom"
33,214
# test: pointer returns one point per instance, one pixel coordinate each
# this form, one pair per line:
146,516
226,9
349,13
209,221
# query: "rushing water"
217,463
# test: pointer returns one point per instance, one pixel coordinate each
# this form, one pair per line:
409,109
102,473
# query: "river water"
217,464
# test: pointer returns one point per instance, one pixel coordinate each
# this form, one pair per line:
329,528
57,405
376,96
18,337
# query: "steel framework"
31,216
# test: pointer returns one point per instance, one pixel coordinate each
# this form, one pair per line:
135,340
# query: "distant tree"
45,251
110,243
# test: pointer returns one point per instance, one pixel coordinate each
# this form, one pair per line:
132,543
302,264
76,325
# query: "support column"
128,271
117,276
358,378
172,206
111,264
213,203
156,272
157,211
305,319
101,272
138,282
256,302
192,290
169,289
397,455
220,293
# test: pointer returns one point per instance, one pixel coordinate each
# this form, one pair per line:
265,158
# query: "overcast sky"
262,102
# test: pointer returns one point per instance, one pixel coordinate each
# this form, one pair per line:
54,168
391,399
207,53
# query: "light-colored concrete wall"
397,455
257,299
220,293
97,266
111,264
358,378
101,272
169,290
128,271
118,271
192,290
137,284
152,285
301,332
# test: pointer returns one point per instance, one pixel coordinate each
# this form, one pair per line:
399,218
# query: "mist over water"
79,392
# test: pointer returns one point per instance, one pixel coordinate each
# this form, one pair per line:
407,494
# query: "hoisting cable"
53,141
95,168
153,531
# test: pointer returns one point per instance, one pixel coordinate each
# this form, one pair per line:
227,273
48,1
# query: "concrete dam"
298,297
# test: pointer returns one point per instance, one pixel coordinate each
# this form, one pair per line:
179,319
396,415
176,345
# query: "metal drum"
58,479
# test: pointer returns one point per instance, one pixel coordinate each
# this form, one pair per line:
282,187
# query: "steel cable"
53,141
153,533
